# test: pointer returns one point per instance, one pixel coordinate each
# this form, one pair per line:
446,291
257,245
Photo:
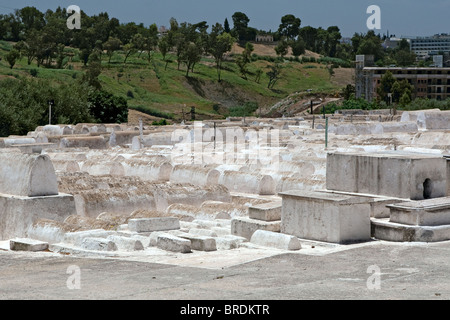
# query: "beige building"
431,83
264,38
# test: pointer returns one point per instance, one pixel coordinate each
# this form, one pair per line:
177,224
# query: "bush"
24,104
424,104
351,104
243,111
162,122
33,72
108,108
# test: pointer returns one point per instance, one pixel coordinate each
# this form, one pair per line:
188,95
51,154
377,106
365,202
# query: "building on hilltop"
267,38
162,31
392,43
431,83
424,47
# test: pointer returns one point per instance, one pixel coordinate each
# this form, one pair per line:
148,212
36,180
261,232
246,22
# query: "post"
313,122
214,135
312,107
326,133
390,102
50,103
141,132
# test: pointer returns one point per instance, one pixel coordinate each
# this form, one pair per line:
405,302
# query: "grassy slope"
151,86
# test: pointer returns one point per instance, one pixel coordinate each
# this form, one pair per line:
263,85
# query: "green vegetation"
24,105
158,74
108,67
243,111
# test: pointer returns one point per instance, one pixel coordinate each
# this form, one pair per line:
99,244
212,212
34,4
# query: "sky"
398,17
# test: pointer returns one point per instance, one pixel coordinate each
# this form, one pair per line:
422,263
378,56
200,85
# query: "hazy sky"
400,17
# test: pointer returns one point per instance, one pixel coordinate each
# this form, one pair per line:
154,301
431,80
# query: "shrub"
33,72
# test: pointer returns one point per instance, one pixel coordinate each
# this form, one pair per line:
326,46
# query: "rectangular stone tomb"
433,212
153,224
406,175
324,216
270,211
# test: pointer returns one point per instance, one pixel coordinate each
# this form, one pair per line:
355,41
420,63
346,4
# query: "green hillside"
167,92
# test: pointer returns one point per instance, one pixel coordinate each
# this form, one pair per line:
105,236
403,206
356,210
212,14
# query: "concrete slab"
433,212
245,227
270,211
173,243
382,229
153,224
27,245
200,243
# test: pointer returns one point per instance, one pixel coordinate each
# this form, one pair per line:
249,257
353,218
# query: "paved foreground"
376,270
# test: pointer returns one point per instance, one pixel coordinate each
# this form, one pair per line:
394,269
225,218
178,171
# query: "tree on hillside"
201,36
309,34
405,58
240,25
289,27
244,59
219,43
226,26
60,56
369,44
282,48
274,75
334,35
129,49
180,43
321,45
151,40
172,32
403,54
139,43
191,56
113,44
94,70
298,47
12,57
107,108
163,46
31,18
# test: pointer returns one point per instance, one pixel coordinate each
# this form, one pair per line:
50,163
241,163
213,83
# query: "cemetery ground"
407,271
